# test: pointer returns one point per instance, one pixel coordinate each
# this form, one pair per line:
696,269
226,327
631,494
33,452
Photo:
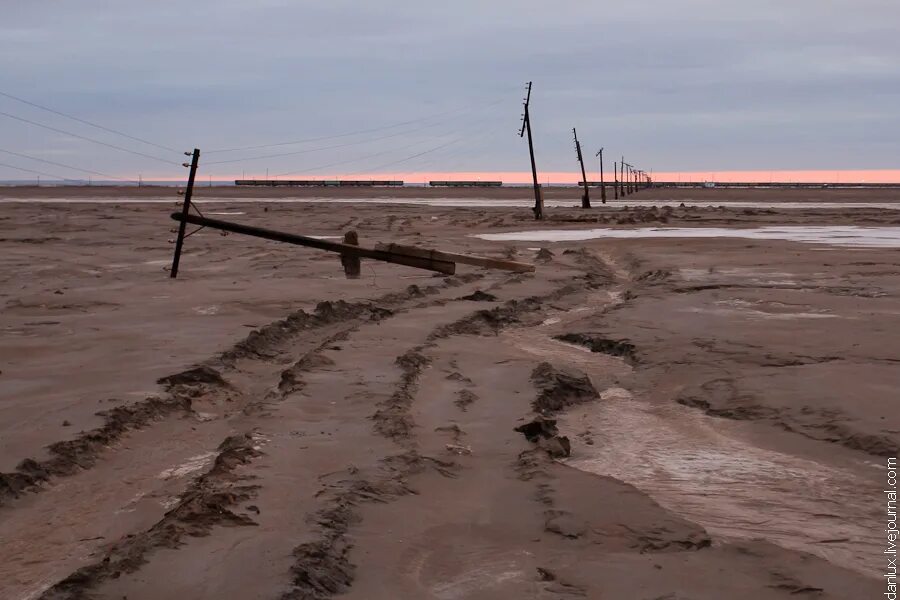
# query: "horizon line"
559,177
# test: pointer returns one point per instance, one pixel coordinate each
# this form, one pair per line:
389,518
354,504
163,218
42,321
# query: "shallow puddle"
849,235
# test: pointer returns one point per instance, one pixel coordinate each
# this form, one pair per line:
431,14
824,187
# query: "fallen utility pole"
586,198
395,257
526,126
466,259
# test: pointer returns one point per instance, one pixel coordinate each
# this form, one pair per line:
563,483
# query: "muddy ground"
653,419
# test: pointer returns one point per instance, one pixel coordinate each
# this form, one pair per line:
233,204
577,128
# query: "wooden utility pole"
622,191
526,126
185,208
615,181
586,198
602,185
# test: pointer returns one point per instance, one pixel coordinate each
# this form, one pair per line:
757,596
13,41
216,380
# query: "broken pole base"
351,263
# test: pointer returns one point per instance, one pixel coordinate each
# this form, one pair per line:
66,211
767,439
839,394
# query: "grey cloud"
690,84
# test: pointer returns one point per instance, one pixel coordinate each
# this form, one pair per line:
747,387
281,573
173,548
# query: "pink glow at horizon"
873,176
524,177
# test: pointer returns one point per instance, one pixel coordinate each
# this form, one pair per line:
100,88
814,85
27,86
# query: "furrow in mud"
131,552
208,502
71,456
323,568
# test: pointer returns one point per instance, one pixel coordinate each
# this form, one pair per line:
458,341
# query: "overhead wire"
366,157
86,122
436,148
65,166
343,145
82,137
61,178
348,134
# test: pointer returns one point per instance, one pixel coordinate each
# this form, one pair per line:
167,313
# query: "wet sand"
263,427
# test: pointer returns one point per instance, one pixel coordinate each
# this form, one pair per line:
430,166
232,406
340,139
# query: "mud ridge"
392,419
492,321
601,345
322,568
205,504
70,456
721,398
265,341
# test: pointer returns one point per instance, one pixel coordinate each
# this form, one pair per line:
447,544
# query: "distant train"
465,183
319,182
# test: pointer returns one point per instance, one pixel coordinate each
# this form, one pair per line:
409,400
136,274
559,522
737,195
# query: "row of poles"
627,178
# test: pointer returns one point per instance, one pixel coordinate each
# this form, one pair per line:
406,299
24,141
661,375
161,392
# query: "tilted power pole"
526,126
586,198
185,209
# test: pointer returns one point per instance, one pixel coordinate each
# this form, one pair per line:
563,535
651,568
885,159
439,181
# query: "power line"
368,156
50,162
345,145
328,137
307,151
62,114
75,135
38,172
348,134
350,160
436,148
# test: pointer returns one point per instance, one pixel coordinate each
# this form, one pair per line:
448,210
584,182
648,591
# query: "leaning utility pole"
185,209
586,198
526,126
602,185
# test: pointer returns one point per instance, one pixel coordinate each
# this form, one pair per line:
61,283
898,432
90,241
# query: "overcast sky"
671,84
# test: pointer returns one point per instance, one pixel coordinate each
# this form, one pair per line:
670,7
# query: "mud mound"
464,398
479,296
82,452
202,375
597,343
544,255
560,388
654,275
543,432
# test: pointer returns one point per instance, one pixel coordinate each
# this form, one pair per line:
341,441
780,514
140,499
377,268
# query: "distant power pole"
615,181
526,126
622,178
602,185
586,198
